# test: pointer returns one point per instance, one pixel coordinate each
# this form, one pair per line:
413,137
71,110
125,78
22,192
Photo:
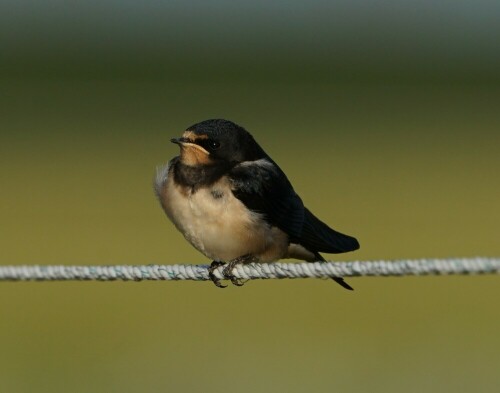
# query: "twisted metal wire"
403,267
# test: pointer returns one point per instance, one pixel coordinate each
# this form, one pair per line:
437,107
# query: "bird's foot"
214,265
228,272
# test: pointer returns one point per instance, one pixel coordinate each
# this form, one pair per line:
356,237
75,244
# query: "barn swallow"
235,205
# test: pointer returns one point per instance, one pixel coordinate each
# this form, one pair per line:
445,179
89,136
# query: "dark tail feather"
316,235
342,283
338,280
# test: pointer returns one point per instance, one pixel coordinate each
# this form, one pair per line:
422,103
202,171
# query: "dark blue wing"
264,188
317,236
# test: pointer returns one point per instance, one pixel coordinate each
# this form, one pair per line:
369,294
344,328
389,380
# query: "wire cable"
403,267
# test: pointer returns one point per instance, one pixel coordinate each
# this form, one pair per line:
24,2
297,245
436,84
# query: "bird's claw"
228,273
214,265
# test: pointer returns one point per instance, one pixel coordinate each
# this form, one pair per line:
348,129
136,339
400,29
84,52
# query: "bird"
235,205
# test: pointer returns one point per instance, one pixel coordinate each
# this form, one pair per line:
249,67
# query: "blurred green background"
385,115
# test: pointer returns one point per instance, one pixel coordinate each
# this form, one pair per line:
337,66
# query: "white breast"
218,224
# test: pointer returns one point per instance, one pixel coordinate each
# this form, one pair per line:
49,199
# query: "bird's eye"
213,144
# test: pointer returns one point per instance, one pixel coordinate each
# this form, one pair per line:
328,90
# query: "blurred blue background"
385,115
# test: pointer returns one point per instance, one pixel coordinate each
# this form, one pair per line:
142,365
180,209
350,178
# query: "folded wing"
318,236
263,187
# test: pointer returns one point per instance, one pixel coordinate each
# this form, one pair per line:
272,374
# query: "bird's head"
217,141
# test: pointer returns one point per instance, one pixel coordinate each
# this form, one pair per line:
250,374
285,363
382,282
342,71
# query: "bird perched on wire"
235,205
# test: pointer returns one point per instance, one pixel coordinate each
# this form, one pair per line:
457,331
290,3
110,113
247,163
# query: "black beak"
178,141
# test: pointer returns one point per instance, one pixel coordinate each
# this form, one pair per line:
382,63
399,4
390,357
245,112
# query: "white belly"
219,225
